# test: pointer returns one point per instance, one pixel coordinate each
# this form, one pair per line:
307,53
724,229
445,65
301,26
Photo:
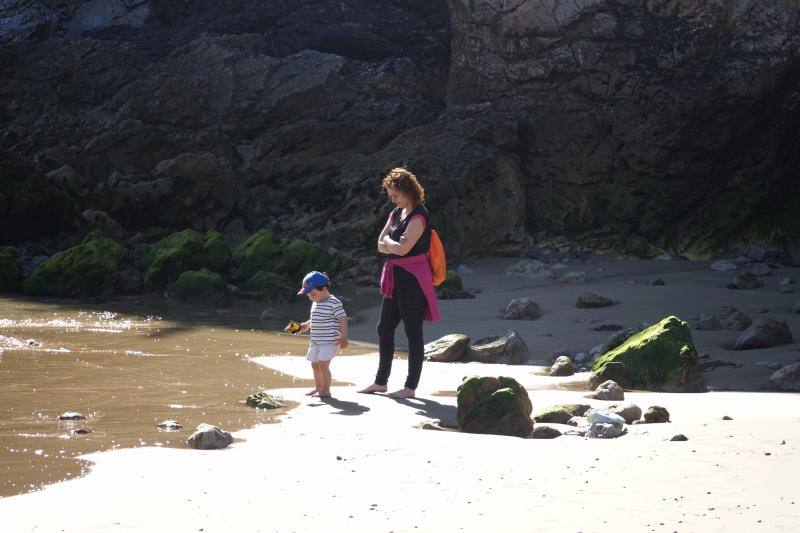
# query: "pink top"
420,268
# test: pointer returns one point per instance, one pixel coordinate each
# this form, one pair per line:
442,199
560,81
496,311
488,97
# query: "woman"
406,282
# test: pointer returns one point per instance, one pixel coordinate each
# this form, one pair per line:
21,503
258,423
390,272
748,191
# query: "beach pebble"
70,415
603,416
545,432
562,367
80,431
787,281
574,277
608,390
208,437
726,417
530,268
446,349
787,378
745,281
764,333
590,300
434,425
658,282
170,424
608,327
732,319
656,415
463,270
679,438
775,366
629,411
524,308
600,430
723,265
582,357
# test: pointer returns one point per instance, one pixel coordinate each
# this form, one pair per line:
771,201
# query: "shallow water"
126,371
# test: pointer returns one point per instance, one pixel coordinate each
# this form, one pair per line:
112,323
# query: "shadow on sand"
432,409
344,407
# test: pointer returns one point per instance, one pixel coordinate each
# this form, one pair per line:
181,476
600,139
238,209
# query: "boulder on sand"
764,333
521,309
508,349
449,348
662,357
494,405
208,437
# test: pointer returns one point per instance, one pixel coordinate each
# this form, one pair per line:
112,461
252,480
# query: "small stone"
608,327
760,270
574,277
658,282
656,415
80,431
726,417
787,281
590,300
745,281
545,432
679,438
723,265
70,415
524,308
171,425
582,357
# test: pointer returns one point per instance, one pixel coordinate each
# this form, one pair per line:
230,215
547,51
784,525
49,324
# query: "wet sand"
358,462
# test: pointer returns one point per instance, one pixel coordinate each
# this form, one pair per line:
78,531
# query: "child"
328,325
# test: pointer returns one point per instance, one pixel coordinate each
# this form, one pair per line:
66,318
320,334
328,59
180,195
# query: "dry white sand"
357,463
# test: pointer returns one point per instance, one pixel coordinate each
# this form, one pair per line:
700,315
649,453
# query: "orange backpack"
437,259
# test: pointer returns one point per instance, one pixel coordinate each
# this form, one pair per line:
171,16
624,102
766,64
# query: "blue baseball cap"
313,280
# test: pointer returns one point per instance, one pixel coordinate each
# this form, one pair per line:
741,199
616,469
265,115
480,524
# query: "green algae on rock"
265,285
186,250
494,405
88,269
264,400
662,357
10,269
257,253
200,286
560,414
452,281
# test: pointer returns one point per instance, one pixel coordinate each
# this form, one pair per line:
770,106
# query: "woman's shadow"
344,407
432,409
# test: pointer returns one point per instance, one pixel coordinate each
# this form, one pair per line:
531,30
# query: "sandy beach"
360,463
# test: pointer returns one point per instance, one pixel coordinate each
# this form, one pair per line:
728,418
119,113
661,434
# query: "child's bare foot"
402,393
312,392
374,388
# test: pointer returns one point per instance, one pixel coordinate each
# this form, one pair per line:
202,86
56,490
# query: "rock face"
447,349
509,349
498,406
662,357
764,333
208,437
163,113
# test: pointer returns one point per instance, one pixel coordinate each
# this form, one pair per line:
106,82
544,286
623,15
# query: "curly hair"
403,180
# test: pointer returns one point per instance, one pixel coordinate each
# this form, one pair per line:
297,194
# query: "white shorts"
321,352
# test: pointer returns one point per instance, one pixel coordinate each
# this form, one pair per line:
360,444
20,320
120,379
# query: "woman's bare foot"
402,393
374,388
324,394
312,392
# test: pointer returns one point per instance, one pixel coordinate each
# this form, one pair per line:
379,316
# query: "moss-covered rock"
185,250
200,286
561,414
10,269
258,253
88,269
498,406
300,257
264,400
452,282
662,357
264,285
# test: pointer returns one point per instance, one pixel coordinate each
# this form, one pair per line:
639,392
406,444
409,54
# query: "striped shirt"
324,320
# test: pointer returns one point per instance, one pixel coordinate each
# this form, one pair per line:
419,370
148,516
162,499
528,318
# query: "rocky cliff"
643,125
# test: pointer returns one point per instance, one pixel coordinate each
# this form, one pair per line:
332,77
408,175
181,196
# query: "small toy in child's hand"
293,327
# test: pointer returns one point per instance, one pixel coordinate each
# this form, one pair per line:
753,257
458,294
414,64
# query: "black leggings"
408,304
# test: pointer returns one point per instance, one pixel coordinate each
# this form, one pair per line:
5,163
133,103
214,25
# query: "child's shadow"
448,414
345,408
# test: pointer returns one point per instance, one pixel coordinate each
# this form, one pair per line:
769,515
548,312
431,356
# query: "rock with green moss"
264,400
662,358
89,269
10,269
561,414
200,286
265,285
258,253
498,406
299,257
452,282
186,250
